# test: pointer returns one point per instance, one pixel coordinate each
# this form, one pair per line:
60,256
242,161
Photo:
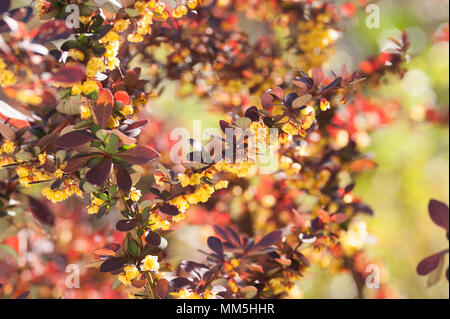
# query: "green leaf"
112,143
101,196
133,248
116,283
112,191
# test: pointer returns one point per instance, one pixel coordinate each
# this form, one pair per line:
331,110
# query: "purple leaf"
439,213
69,74
113,264
74,139
216,245
126,225
270,239
139,155
169,210
99,173
430,263
123,179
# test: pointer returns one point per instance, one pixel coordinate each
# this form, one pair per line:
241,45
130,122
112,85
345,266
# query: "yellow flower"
135,194
179,11
42,158
192,4
135,37
159,178
121,25
94,66
221,184
185,294
180,202
76,54
7,78
76,89
127,110
113,122
178,218
324,104
8,146
58,173
89,86
85,112
22,171
92,209
150,263
290,128
131,272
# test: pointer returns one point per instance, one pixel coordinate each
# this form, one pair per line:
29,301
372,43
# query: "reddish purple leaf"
99,173
126,225
252,113
139,155
169,210
74,139
41,212
113,264
430,263
76,163
69,74
123,179
153,239
215,244
270,239
439,213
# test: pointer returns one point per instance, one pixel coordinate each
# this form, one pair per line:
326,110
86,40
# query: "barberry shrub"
77,79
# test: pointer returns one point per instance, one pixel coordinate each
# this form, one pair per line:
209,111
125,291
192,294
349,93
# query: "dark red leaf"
252,113
69,74
76,163
130,79
139,155
74,139
113,264
439,213
215,244
153,239
41,212
270,239
169,210
123,179
104,107
430,263
125,225
99,173
162,287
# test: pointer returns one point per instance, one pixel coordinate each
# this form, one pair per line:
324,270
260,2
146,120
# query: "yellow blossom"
150,263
